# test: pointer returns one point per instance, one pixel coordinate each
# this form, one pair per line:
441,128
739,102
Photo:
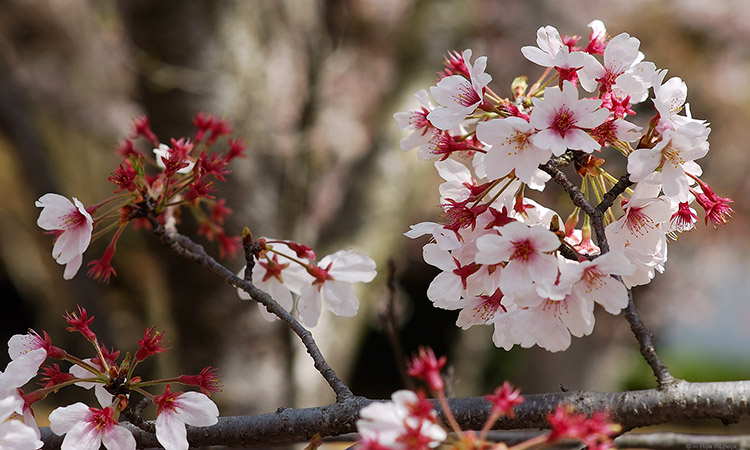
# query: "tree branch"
185,247
726,401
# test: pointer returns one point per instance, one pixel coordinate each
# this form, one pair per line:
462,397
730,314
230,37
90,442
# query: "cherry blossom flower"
151,344
20,371
675,153
426,366
88,428
416,121
504,399
332,282
592,280
279,277
173,159
619,73
446,288
457,96
561,117
407,422
73,226
510,148
527,250
548,43
597,37
177,409
14,434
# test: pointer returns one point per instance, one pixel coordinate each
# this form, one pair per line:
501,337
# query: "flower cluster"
86,427
510,262
155,183
410,422
284,268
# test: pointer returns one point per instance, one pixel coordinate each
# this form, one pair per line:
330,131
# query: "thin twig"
185,247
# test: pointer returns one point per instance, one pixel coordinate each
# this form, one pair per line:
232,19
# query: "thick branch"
185,247
726,401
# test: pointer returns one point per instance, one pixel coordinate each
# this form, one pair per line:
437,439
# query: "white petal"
64,418
340,298
170,431
118,438
308,306
196,409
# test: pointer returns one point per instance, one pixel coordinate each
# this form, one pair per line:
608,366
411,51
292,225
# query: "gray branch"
682,401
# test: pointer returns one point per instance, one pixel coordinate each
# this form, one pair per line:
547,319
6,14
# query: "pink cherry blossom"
527,250
620,58
177,409
88,428
561,118
73,226
592,280
457,96
510,148
332,282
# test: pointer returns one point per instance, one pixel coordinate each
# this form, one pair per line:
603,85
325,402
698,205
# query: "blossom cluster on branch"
114,381
510,262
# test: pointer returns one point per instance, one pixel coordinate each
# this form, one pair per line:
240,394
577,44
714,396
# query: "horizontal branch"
725,401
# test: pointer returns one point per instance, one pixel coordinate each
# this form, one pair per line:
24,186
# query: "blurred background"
312,86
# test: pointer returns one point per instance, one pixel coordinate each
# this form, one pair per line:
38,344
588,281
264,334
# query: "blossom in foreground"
177,409
15,434
527,250
332,282
72,225
407,422
561,118
88,428
510,148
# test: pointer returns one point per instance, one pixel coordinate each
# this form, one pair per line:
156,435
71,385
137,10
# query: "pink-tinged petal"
492,249
542,268
577,139
308,306
642,162
72,266
435,256
621,52
516,282
352,267
170,431
83,436
340,298
552,334
588,113
544,240
21,370
118,438
551,140
278,292
578,315
16,435
62,419
676,184
446,118
611,294
196,409
445,290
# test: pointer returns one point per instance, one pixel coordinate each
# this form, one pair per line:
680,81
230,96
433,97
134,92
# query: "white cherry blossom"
74,226
561,118
457,96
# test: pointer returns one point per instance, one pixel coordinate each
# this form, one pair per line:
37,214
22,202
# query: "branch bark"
726,401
